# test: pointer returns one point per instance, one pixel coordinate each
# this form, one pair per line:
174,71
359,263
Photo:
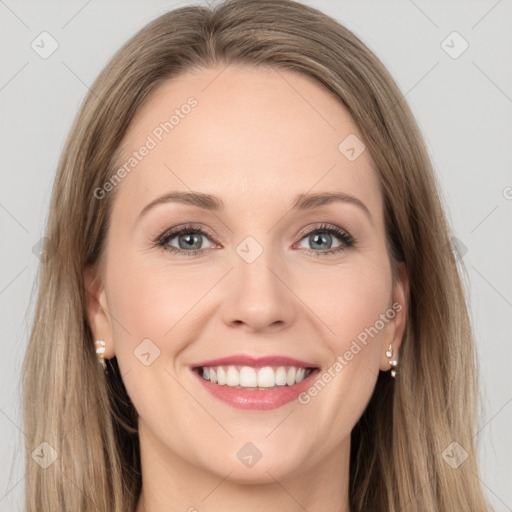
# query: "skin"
256,139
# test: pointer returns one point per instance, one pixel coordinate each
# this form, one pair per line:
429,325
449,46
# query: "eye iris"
193,241
318,239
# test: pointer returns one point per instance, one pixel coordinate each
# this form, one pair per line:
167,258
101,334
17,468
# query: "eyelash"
189,229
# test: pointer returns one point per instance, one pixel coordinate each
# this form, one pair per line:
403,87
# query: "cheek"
155,303
153,310
158,301
349,300
354,302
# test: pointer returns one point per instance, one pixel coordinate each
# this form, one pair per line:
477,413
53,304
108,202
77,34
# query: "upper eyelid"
325,226
176,231
173,232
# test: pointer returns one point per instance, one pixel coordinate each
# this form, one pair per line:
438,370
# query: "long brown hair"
398,448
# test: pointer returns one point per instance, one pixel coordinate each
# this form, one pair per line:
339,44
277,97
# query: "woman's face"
268,271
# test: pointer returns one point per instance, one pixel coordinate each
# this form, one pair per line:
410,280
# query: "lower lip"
257,399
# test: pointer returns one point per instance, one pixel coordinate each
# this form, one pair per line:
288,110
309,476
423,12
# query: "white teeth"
281,376
266,377
221,376
232,377
249,377
290,376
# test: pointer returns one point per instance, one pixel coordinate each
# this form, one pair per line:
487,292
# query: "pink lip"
257,362
257,399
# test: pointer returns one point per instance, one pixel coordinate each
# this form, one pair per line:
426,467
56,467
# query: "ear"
97,310
396,326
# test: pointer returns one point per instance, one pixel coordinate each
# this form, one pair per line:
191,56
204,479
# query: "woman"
195,344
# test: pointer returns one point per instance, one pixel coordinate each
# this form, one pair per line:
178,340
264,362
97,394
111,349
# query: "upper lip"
258,362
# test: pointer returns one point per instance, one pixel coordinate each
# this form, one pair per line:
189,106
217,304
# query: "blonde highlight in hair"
87,416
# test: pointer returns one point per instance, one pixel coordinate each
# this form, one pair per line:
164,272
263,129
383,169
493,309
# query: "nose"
258,296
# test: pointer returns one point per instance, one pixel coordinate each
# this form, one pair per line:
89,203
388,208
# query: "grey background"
463,106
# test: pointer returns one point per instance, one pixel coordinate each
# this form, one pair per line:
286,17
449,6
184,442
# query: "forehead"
265,133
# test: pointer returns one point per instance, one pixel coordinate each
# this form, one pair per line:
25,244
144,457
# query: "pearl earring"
100,350
392,362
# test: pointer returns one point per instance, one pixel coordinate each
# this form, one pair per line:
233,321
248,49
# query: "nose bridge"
257,294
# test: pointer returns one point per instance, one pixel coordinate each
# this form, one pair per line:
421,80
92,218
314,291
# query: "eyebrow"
215,204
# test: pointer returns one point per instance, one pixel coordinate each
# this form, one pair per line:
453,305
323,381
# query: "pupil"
319,239
189,237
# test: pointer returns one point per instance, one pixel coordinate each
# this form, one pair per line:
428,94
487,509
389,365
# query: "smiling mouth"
251,378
